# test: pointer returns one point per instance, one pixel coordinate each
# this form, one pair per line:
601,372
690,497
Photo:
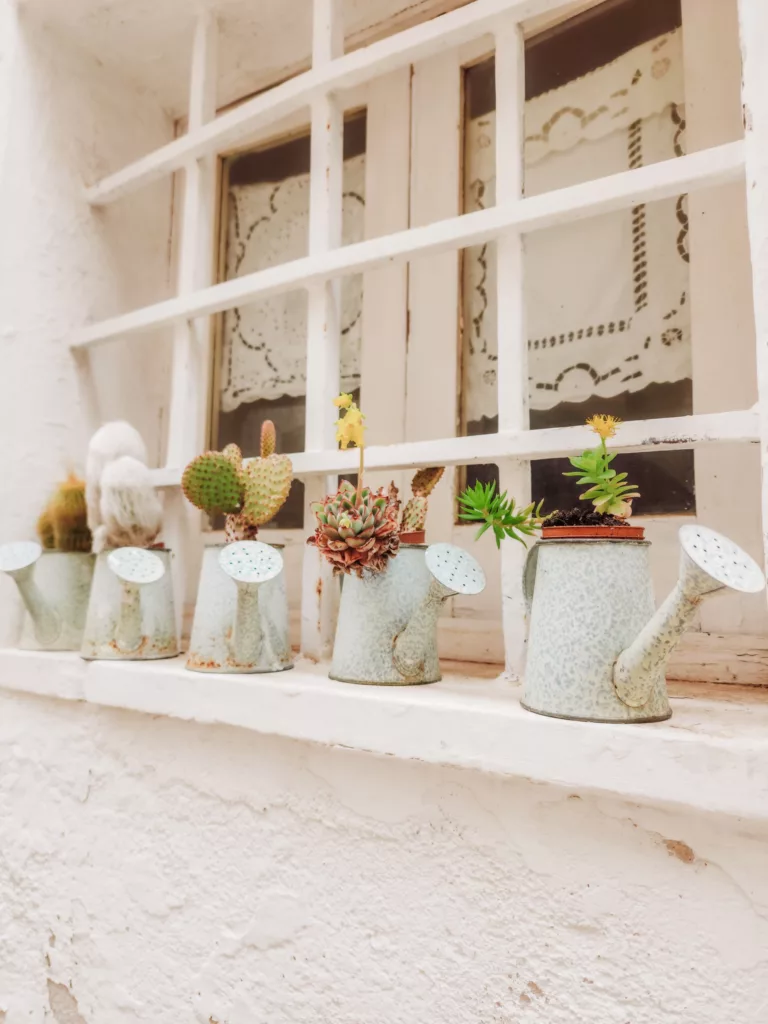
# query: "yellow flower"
604,426
343,401
350,428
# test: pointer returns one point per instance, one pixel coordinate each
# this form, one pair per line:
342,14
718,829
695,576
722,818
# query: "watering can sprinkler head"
711,562
454,571
18,560
249,563
135,568
708,562
19,557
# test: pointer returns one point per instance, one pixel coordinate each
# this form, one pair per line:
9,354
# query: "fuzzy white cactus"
123,506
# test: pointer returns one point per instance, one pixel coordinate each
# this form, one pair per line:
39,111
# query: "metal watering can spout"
18,560
135,568
249,563
708,562
454,571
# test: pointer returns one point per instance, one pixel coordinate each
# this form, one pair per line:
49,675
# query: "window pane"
607,298
263,347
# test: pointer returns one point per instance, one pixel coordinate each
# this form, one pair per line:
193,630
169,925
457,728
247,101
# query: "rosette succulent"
357,530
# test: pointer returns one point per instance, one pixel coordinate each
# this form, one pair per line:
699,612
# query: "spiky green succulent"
415,512
249,493
357,531
481,504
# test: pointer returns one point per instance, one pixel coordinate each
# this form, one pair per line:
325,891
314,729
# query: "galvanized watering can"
387,627
54,586
130,613
241,617
597,649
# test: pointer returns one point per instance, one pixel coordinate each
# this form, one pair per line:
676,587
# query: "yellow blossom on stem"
343,401
350,428
604,426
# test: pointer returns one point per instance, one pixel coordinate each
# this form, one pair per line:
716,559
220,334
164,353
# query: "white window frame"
319,272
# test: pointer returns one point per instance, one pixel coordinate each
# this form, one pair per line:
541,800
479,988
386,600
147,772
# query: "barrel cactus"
249,493
357,531
415,512
63,524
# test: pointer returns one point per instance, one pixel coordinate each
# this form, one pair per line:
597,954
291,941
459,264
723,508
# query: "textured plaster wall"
153,870
65,120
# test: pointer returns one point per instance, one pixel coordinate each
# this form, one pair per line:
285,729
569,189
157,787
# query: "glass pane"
607,305
263,346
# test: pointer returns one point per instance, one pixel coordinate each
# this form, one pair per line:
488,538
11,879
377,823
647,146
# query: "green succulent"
608,490
481,504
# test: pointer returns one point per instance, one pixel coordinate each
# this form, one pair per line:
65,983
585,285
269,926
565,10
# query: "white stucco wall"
64,120
152,870
155,870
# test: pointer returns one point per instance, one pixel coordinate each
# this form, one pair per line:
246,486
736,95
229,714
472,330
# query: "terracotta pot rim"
414,537
593,532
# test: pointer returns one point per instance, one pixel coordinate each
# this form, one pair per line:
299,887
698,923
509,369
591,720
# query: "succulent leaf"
213,482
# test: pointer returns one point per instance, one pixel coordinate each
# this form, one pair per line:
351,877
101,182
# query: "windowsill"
712,755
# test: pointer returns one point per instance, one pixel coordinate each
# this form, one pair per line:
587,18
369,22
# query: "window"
607,299
411,262
260,360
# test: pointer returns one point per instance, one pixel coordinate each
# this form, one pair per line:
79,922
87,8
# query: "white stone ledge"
710,756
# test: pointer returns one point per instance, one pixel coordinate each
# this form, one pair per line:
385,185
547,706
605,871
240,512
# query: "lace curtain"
606,297
264,348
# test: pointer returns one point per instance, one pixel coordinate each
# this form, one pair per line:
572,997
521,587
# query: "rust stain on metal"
677,848
319,587
201,664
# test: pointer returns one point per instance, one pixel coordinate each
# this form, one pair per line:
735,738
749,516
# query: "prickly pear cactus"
425,481
415,512
268,439
414,515
267,482
239,527
235,456
213,482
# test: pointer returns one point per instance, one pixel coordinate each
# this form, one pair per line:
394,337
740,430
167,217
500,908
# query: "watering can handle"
529,577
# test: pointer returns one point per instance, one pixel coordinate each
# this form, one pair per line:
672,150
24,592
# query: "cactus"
45,530
415,512
63,524
267,482
131,511
213,482
268,439
248,493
